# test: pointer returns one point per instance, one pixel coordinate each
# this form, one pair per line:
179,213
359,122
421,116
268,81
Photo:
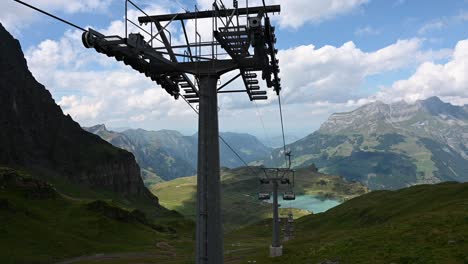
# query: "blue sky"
336,55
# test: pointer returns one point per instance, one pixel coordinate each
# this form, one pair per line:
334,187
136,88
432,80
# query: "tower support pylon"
209,226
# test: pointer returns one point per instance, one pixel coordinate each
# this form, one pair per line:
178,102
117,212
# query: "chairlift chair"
264,196
264,181
288,196
290,218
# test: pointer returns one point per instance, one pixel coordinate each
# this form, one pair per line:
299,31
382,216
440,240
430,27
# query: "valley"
240,186
165,155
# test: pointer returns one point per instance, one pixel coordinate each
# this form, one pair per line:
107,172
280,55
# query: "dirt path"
167,251
103,256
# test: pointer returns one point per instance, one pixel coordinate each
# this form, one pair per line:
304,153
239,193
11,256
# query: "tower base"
276,251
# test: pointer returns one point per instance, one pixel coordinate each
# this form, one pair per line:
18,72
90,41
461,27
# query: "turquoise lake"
308,202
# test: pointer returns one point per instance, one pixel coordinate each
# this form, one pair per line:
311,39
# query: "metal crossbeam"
209,14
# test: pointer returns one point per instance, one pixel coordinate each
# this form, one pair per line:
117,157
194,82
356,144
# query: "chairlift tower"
275,177
248,38
289,227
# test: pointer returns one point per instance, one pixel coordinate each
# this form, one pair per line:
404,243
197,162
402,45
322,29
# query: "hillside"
41,225
240,187
389,146
167,154
420,224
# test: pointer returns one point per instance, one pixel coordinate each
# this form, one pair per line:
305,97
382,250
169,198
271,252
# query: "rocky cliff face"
34,133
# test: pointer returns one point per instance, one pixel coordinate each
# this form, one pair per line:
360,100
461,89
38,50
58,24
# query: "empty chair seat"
264,196
264,181
285,181
287,196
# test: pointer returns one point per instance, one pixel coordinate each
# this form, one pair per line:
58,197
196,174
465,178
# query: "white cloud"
15,16
299,12
316,81
448,81
431,26
97,88
336,74
295,13
367,30
81,108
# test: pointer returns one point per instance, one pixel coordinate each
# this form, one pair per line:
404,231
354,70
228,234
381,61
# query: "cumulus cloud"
316,80
448,80
15,16
81,108
97,88
299,12
95,85
295,13
335,74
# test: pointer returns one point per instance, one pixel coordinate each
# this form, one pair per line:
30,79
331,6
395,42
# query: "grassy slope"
44,230
421,224
239,190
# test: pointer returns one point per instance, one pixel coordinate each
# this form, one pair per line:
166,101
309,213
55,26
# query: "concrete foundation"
276,251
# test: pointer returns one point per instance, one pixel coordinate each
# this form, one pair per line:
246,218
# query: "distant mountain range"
167,154
389,146
385,146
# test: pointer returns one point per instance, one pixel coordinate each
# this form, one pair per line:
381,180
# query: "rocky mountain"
162,155
167,154
36,135
389,145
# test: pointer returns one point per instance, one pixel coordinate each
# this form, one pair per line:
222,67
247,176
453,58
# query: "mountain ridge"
168,154
389,145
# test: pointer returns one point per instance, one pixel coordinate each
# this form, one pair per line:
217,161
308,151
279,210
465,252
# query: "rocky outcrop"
35,134
31,188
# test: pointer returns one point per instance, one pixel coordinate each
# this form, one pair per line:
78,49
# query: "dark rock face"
31,188
34,133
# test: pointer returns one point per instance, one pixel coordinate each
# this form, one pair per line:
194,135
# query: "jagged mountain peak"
437,107
389,145
98,128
